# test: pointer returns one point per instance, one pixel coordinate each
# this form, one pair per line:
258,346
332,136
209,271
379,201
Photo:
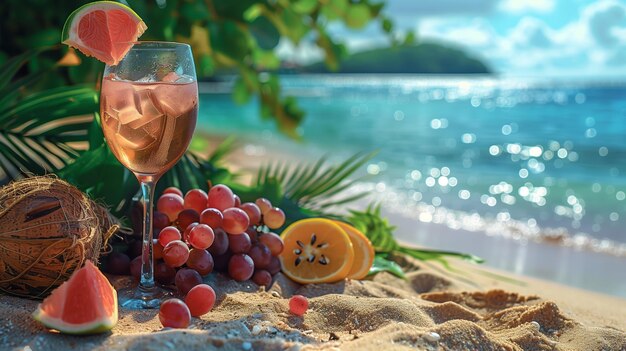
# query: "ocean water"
533,158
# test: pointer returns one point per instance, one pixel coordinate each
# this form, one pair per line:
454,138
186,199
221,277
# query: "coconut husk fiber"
48,228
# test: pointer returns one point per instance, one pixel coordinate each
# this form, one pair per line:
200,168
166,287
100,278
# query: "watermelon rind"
100,325
96,327
69,38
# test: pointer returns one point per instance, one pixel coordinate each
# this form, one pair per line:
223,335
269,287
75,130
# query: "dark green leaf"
233,10
265,33
10,67
98,173
194,10
229,39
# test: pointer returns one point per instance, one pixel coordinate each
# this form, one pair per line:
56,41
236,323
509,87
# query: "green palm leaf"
44,131
316,186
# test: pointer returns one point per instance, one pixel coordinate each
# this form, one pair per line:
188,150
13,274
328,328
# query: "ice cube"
176,99
135,139
123,105
149,108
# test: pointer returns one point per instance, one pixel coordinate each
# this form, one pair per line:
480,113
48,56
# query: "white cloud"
531,32
522,6
595,42
304,53
606,22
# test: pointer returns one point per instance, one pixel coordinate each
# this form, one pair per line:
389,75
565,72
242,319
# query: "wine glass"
149,106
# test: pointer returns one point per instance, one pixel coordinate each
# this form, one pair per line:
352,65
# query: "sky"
514,37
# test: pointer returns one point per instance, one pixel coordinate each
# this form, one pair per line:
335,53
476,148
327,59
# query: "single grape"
168,234
220,262
239,243
212,217
159,220
274,266
220,243
170,205
196,199
253,211
188,230
200,300
236,221
262,278
176,253
261,255
135,267
201,236
264,204
173,313
273,242
201,261
186,217
164,274
237,201
157,250
240,267
298,305
187,278
253,234
221,197
274,218
172,190
118,263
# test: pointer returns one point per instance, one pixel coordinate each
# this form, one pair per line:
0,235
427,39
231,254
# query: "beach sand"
434,309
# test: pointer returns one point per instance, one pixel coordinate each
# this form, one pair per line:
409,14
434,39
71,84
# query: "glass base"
138,298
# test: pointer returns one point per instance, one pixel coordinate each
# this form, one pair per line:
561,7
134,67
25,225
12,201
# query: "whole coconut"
48,228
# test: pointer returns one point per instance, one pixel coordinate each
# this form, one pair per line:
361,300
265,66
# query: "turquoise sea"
543,158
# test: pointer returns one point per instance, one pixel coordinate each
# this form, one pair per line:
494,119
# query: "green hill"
426,58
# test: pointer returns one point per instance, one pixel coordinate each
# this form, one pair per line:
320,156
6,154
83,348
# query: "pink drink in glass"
148,125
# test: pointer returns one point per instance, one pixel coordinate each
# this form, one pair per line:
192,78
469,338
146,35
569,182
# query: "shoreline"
550,260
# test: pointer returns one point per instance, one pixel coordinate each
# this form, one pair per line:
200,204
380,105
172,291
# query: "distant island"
424,58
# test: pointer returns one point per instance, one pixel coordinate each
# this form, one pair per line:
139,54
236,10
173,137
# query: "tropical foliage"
239,36
40,132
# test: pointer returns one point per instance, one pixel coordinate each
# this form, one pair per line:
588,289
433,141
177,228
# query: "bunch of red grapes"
199,232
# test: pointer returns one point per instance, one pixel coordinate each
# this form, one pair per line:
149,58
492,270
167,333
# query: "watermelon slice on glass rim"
105,30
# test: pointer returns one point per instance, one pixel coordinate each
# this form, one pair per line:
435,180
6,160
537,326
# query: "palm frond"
44,131
316,186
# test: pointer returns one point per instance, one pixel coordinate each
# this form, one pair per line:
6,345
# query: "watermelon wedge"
84,304
105,30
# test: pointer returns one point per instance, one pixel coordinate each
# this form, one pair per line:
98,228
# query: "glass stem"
147,267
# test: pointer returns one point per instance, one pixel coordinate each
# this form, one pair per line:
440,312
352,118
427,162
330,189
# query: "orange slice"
363,251
316,251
